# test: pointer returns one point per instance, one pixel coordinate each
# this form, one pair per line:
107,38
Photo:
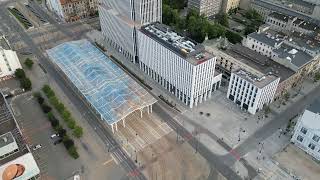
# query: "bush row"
67,141
25,82
65,114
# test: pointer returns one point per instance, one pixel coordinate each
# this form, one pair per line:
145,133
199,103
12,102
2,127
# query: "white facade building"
180,65
207,8
120,20
9,62
307,131
262,43
251,92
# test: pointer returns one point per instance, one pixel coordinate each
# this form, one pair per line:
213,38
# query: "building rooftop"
310,43
303,3
109,90
280,16
309,26
259,62
315,106
254,79
4,43
266,38
296,57
186,48
283,10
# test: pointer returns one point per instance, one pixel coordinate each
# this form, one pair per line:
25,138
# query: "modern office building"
250,91
108,90
16,159
73,10
182,66
208,8
120,20
307,130
9,62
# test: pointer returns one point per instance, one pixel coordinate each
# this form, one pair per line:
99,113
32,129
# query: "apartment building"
307,130
120,20
181,66
280,22
208,8
250,91
73,10
229,5
262,43
16,159
298,8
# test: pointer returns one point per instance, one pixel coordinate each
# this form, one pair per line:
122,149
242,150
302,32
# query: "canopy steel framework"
105,86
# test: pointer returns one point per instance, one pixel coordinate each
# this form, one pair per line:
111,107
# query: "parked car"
57,141
54,135
38,146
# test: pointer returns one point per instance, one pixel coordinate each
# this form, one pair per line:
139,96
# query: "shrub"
62,132
46,108
60,107
66,115
73,152
68,143
28,63
19,73
54,101
48,91
40,100
78,131
50,115
71,123
25,83
54,122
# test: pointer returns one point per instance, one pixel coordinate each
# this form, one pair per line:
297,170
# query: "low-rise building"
262,43
307,130
252,91
229,5
284,23
16,160
182,66
207,8
9,62
73,10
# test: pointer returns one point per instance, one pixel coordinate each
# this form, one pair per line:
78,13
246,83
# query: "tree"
54,101
50,116
233,37
54,122
73,152
78,131
215,31
60,107
26,84
66,115
28,63
317,76
48,91
223,20
170,16
197,28
71,124
286,96
249,30
46,108
19,73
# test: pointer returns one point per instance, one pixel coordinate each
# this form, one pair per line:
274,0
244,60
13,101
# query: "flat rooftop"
295,56
257,81
9,126
3,43
266,38
109,90
302,40
188,49
259,62
280,16
315,106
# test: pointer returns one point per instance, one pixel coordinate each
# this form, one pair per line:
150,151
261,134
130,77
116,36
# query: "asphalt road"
104,134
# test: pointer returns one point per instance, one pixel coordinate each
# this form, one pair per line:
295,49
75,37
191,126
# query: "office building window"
311,146
300,138
304,130
316,138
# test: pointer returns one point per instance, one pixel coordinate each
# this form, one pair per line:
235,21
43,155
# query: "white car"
54,135
38,146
